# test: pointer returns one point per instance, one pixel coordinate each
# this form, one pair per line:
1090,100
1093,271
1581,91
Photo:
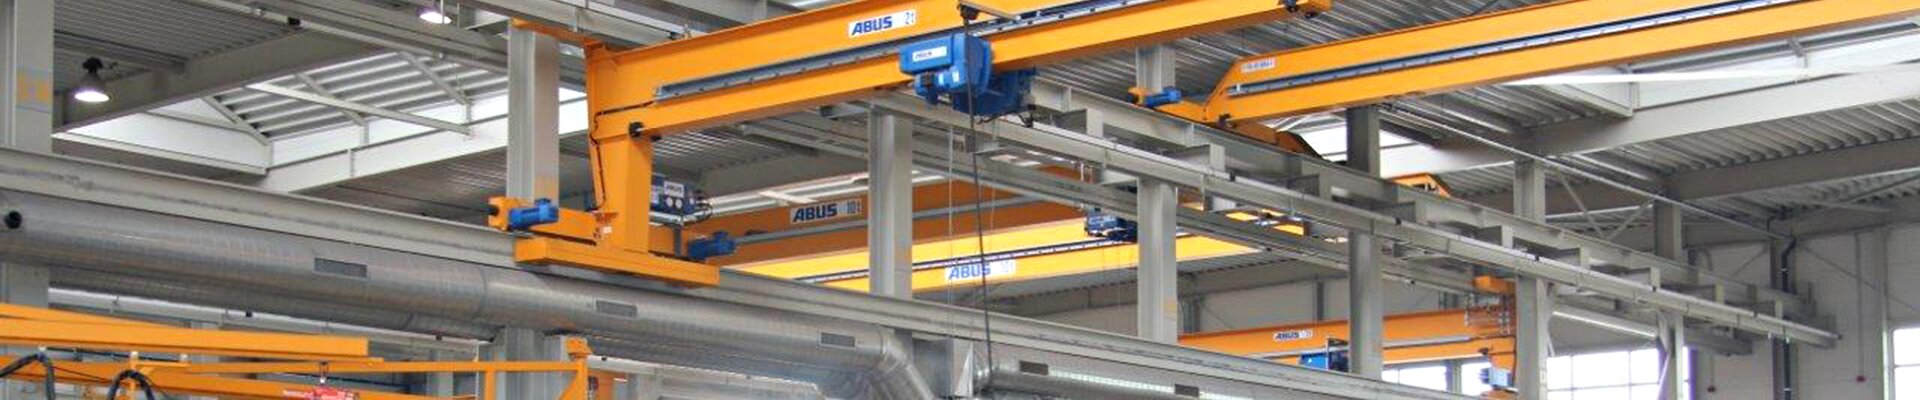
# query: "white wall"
1848,288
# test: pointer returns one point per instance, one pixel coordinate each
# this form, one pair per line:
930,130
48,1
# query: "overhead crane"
1544,39
1026,239
835,54
1475,333
268,353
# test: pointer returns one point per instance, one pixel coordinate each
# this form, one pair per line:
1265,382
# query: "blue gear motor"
959,68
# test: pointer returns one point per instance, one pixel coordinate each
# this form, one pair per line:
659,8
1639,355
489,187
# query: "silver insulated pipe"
113,250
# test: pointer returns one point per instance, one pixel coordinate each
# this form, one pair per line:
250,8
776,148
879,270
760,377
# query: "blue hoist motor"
1333,358
718,244
958,69
1112,227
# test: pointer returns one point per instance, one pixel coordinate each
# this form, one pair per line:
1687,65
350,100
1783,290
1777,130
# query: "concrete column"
1155,68
1532,344
1158,309
890,217
1673,343
521,344
1363,138
26,52
533,115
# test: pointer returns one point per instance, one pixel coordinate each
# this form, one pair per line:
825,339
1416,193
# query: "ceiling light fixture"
434,14
92,89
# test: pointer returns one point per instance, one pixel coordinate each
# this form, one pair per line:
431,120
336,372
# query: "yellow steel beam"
622,85
1037,266
15,311
1754,24
181,383
166,339
1423,336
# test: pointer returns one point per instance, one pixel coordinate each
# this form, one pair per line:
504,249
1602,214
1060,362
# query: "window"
1906,364
1618,375
1430,376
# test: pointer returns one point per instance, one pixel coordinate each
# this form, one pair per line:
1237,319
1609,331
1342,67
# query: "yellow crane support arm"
1516,44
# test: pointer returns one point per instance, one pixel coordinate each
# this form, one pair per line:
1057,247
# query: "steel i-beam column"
1530,190
1154,68
1532,343
1364,292
533,115
1669,241
1669,235
522,344
1363,138
1158,309
26,123
1534,296
890,217
1673,342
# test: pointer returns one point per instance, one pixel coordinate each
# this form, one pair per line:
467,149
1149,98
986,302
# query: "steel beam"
144,58
1415,235
890,217
1308,252
721,13
1682,119
604,20
330,101
1756,178
533,116
205,76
